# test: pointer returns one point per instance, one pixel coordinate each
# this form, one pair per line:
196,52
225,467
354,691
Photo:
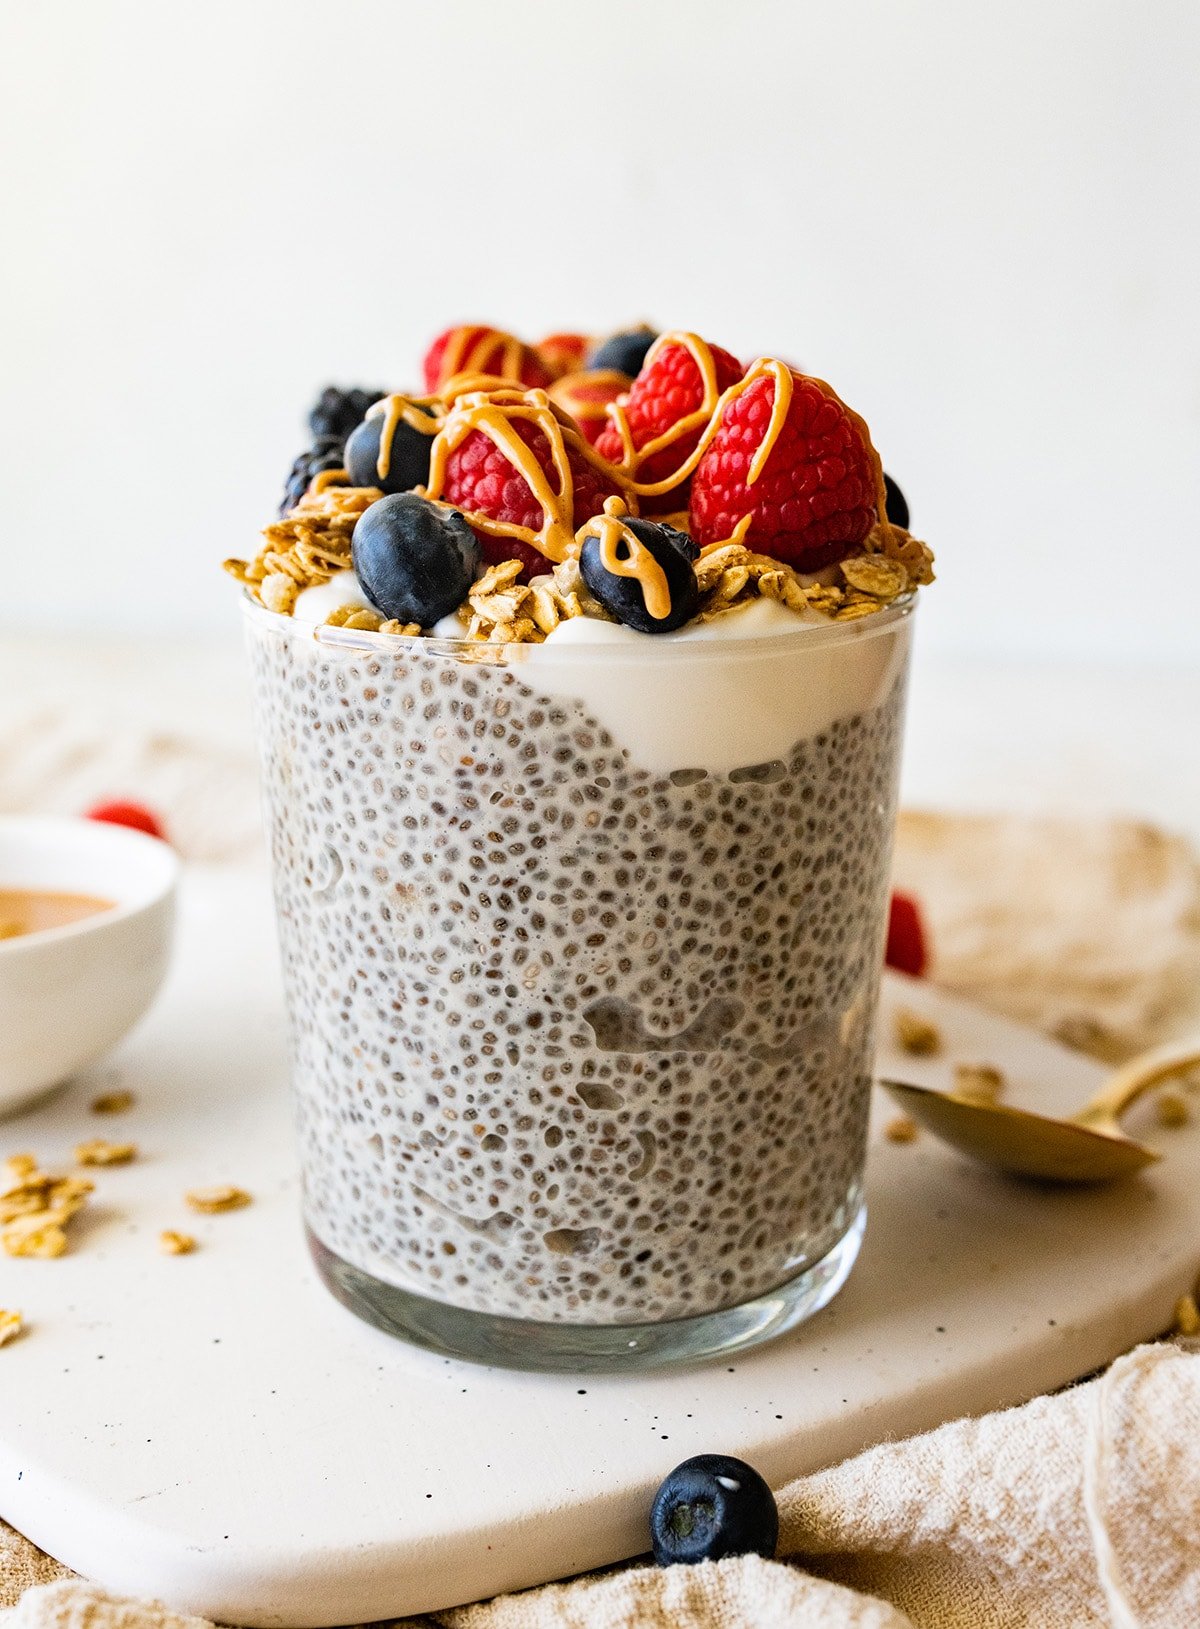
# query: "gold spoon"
1088,1147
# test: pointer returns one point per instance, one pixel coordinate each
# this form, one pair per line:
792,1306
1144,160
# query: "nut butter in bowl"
86,912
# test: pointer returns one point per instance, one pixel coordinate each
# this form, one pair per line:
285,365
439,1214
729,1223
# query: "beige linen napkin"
1075,1510
1088,930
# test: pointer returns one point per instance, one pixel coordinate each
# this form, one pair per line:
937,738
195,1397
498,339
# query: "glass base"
527,1343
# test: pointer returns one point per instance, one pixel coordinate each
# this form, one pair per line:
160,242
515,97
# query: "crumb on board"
15,1170
1173,1109
35,1207
11,1325
213,1201
978,1082
37,1238
101,1152
915,1034
173,1243
901,1129
112,1103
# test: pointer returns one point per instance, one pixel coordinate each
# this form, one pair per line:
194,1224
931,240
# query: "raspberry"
585,396
906,945
562,353
134,815
476,348
481,481
816,496
668,388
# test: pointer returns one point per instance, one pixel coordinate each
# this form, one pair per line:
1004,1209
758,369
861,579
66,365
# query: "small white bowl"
68,994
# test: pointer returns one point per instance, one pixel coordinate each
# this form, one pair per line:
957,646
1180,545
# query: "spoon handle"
1138,1076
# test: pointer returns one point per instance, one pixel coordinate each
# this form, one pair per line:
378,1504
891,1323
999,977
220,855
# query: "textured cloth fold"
1072,1511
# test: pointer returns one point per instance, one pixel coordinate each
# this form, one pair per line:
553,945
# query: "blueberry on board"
414,559
897,503
710,1507
336,412
409,462
623,596
624,352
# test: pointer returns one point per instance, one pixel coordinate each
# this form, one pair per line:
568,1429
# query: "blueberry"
623,596
414,559
409,463
713,1506
897,503
624,352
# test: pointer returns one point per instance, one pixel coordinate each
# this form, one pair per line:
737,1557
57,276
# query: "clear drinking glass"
582,948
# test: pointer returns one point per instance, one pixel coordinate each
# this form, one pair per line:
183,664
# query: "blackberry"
337,412
326,454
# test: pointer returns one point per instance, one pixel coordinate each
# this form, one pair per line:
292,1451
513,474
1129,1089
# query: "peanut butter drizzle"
492,412
764,368
632,458
562,391
408,408
463,384
464,355
328,477
638,563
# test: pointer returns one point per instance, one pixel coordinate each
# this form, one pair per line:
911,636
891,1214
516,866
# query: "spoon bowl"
1088,1147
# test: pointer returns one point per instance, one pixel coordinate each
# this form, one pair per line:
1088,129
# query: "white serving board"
214,1430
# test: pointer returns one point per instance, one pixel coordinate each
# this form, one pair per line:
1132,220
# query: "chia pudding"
580,683
575,1039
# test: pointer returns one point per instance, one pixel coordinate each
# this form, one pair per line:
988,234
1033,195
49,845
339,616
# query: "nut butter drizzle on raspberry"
779,371
637,563
493,414
466,355
632,458
765,367
581,408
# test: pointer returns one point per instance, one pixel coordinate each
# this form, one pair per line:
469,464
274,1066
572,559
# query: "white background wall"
979,222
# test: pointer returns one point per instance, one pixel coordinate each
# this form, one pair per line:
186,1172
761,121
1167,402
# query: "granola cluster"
35,1208
307,547
503,610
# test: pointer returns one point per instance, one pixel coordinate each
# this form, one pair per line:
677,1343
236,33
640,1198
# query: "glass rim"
359,640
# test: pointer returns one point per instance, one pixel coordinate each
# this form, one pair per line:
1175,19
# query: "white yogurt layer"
671,700
313,605
781,678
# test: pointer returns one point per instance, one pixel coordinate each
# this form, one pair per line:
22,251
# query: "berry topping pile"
641,478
